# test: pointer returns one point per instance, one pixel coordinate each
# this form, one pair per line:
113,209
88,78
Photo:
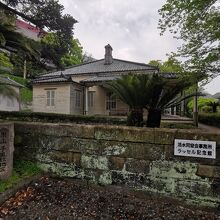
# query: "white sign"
194,148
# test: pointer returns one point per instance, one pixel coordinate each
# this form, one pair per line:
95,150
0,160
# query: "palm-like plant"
8,91
163,97
134,90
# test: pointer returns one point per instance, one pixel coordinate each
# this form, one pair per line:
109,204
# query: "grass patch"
22,169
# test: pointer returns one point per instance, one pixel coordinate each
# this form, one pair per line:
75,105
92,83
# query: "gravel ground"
50,199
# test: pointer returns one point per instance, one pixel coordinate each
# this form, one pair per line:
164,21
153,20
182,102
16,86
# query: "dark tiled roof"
101,79
6,80
108,77
98,66
52,79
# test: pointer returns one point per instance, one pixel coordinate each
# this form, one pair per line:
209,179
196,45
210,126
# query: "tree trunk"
214,108
154,118
135,117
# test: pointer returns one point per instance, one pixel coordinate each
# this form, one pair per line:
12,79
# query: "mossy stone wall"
141,158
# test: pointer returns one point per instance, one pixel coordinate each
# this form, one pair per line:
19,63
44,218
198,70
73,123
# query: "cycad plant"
134,90
163,96
8,91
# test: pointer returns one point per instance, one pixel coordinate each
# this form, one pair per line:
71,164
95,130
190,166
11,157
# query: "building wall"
74,109
141,158
99,107
62,98
9,104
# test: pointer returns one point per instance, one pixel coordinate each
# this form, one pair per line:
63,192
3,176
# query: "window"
50,98
78,98
110,101
91,99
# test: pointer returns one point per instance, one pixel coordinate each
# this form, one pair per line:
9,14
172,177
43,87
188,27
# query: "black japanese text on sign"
194,148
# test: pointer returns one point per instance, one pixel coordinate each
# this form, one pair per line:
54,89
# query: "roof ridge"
133,62
81,64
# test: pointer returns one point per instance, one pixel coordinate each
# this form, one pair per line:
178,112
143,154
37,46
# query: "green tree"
197,24
214,105
74,56
203,102
45,14
53,50
172,65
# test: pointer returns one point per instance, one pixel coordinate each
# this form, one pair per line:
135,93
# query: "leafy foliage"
14,41
22,169
6,90
202,102
172,65
53,50
5,61
135,91
197,24
210,118
44,14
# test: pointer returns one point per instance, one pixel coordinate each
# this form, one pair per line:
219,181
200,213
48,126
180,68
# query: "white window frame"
111,102
50,99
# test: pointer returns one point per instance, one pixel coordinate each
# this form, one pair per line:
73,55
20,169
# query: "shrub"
52,117
210,119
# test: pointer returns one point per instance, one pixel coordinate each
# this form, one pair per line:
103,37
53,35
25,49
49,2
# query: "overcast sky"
130,26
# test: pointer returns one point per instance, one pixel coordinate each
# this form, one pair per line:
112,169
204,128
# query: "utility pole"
25,69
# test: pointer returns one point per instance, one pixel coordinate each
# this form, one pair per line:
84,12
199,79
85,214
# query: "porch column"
86,101
174,110
182,105
195,110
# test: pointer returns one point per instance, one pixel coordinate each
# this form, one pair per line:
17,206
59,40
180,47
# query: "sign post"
6,149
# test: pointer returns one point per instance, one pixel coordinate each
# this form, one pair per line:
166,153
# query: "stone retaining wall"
141,158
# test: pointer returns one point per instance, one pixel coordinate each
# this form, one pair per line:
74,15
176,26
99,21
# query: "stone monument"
6,149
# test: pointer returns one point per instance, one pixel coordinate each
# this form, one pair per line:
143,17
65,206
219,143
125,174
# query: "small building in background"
29,30
8,103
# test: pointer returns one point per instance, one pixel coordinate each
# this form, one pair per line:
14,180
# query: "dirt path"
49,198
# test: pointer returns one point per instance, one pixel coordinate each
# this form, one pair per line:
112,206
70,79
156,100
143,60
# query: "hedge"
210,119
52,117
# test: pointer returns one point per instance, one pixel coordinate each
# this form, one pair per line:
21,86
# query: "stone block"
206,171
116,163
120,133
137,166
164,136
143,151
59,156
95,162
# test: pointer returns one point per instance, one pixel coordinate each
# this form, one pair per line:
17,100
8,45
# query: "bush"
210,119
52,117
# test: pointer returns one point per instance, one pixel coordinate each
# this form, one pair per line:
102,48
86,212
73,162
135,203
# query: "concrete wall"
9,104
140,158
